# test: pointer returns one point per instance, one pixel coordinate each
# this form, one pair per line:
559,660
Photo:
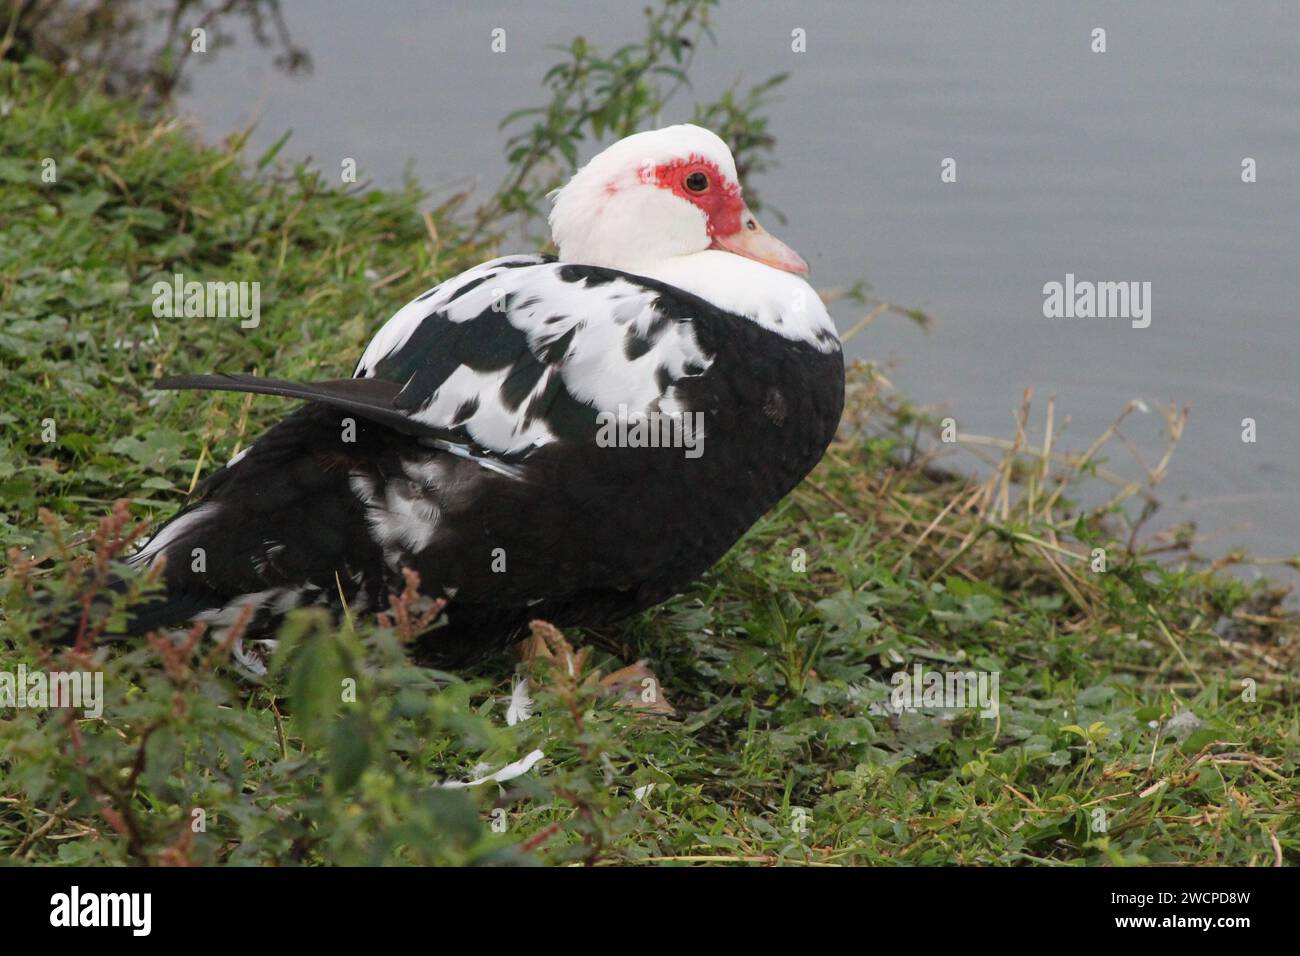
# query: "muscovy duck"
573,439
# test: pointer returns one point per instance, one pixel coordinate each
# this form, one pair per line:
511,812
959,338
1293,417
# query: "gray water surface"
1115,166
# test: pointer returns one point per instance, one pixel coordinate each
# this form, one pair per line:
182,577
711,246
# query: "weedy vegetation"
1147,702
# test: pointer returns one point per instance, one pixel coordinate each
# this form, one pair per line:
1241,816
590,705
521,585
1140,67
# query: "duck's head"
657,196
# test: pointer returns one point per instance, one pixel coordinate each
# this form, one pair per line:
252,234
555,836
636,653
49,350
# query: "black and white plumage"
478,419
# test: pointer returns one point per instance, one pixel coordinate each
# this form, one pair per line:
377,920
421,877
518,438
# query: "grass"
1147,711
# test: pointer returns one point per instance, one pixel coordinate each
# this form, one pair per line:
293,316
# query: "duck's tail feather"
371,398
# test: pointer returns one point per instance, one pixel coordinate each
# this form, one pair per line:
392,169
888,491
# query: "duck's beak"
754,242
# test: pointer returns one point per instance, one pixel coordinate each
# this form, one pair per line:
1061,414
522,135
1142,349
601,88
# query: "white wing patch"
462,451
398,329
155,546
606,341
402,515
493,425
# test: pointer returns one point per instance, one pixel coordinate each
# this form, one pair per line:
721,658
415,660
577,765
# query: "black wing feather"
370,398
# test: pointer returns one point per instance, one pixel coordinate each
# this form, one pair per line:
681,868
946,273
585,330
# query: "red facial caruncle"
702,184
730,225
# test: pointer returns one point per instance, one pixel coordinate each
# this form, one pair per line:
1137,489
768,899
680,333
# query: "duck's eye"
697,182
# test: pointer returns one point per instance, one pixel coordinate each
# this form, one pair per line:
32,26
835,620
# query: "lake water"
1117,166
